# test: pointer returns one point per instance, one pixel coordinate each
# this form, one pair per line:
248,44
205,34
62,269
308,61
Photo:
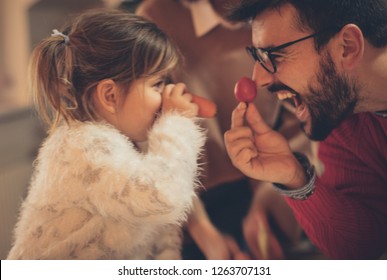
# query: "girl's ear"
351,41
107,96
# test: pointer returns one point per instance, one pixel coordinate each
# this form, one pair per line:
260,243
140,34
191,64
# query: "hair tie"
66,38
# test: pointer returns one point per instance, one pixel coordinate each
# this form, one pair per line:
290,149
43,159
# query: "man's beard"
332,101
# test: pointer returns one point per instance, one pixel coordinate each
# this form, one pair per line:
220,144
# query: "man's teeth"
284,95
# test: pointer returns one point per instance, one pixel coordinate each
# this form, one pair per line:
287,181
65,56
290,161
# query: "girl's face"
140,107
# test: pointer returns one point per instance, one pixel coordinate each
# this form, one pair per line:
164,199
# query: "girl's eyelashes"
160,84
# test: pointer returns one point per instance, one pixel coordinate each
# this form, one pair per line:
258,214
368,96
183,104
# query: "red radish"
207,108
245,90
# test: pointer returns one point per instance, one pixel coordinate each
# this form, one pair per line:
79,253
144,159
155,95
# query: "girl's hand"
260,152
175,98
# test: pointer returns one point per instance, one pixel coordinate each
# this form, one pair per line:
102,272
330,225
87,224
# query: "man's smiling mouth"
296,101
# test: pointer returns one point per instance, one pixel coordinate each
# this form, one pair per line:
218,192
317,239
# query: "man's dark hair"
326,16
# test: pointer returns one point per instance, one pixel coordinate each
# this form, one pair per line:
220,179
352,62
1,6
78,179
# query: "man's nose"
262,77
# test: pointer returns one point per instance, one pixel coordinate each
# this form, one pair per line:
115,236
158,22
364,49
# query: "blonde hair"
101,44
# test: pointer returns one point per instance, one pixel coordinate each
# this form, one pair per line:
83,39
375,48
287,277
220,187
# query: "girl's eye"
159,85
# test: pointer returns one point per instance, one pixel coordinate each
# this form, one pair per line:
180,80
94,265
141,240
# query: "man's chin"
315,132
319,134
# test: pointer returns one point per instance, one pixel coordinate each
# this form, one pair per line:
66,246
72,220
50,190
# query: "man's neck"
374,74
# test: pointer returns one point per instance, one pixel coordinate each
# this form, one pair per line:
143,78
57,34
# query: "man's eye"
276,57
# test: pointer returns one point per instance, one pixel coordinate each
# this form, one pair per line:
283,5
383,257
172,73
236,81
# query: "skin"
316,78
134,112
297,64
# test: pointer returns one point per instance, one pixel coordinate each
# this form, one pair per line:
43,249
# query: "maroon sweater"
346,217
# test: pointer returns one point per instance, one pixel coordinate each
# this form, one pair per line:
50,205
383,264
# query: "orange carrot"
207,108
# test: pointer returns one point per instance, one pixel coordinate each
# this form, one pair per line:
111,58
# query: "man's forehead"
274,25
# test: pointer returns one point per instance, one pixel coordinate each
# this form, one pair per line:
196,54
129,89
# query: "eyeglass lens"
262,57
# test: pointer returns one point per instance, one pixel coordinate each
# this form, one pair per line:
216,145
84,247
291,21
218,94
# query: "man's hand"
260,152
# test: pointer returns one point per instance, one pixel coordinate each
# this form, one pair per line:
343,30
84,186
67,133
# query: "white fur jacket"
95,196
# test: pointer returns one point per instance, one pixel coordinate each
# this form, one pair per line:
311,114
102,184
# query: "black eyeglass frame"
252,51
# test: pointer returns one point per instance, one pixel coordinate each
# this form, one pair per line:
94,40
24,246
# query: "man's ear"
351,41
107,96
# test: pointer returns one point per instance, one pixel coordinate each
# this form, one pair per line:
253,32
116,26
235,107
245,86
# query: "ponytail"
51,81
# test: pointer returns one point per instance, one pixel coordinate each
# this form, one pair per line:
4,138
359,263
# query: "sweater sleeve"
156,186
346,217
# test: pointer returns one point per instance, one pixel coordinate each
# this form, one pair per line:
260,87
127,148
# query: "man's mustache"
274,88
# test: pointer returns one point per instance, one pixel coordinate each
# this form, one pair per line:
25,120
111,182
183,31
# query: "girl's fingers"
179,89
167,90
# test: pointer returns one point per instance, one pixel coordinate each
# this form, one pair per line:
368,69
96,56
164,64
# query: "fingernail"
242,105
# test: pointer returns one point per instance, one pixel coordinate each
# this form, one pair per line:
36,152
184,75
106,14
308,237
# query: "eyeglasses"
266,57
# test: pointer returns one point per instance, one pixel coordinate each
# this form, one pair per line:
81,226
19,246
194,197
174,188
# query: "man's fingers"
238,133
242,151
237,117
255,120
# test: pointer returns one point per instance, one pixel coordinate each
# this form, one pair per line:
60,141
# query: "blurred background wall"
23,23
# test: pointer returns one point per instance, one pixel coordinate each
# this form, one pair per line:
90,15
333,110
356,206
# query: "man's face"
322,96
331,100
